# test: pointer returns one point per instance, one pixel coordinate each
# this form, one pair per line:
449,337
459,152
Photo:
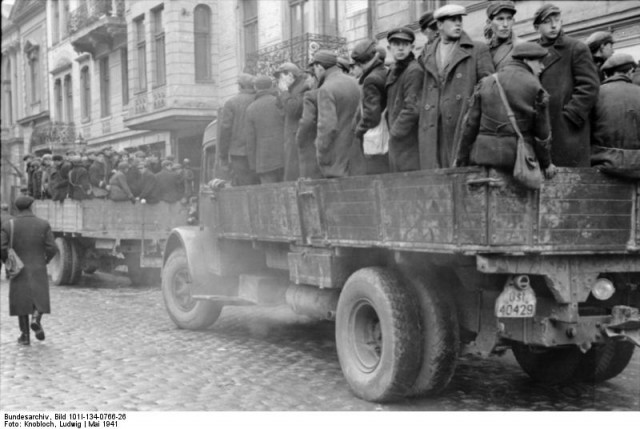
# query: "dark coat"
231,124
571,79
149,187
306,136
445,99
59,183
616,124
36,184
339,152
79,184
404,84
119,188
501,53
34,244
488,138
133,180
169,186
374,97
291,104
265,133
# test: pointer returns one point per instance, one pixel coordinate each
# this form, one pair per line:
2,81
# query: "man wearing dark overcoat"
571,79
98,176
404,84
338,151
79,184
34,244
453,65
499,32
169,183
58,180
306,136
616,118
487,137
600,44
264,126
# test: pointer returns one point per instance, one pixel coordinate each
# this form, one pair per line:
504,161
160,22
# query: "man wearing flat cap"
499,31
453,65
338,151
571,79
32,240
428,27
487,135
616,118
600,44
404,84
232,149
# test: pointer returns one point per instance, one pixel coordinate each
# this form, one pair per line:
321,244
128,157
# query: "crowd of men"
117,175
577,104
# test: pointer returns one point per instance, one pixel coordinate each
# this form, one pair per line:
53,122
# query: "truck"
103,234
416,268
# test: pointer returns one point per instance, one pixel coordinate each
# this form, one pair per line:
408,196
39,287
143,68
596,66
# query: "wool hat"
401,33
427,20
364,51
498,6
449,11
325,58
616,60
544,12
287,68
528,51
598,39
23,202
263,82
245,80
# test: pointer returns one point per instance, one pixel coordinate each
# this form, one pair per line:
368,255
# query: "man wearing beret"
264,127
616,118
487,135
404,84
453,65
338,151
232,149
571,79
34,244
373,79
499,31
600,44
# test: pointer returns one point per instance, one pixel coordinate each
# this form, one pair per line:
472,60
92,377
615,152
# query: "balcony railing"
91,11
54,135
298,50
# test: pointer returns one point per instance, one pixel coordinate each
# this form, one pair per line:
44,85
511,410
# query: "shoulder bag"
376,140
13,263
526,170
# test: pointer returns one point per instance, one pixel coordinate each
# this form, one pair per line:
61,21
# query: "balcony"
298,50
52,136
96,24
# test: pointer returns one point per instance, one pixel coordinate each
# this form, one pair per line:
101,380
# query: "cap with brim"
528,51
23,202
364,51
597,39
449,11
325,58
287,68
544,12
617,60
427,20
500,6
401,33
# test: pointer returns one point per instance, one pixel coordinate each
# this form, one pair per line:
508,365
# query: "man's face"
501,24
606,50
551,26
400,49
451,28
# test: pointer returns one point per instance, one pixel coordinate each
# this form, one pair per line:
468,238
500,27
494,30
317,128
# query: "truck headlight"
603,289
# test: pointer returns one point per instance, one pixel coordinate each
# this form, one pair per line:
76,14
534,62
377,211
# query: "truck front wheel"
377,335
548,365
604,361
186,312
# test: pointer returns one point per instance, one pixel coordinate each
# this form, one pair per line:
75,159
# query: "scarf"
400,66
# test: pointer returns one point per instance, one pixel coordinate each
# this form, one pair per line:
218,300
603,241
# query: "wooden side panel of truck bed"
454,210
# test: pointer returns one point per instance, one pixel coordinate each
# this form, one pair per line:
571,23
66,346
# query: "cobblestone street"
110,346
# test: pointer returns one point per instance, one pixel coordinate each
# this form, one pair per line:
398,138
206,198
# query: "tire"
377,337
90,270
76,263
548,365
604,361
185,312
440,333
61,266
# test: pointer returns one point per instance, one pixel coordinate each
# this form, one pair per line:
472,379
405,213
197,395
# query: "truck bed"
469,210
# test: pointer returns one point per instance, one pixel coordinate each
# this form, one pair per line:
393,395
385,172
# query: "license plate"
514,302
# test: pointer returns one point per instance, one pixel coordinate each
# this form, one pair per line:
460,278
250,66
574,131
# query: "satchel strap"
11,234
510,114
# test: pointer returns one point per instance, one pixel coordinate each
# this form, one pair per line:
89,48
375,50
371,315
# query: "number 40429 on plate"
514,302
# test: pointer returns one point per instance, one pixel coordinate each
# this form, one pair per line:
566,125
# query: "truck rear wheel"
185,312
377,337
548,365
604,361
440,334
61,266
76,262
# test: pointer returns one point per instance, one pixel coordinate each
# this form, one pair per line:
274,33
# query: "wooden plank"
572,238
586,222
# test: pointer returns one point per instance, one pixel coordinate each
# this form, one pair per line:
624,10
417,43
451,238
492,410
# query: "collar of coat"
463,51
618,78
377,63
25,213
328,73
398,68
263,92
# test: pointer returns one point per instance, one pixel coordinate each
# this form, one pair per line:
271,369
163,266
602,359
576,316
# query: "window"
68,93
202,39
7,97
57,94
55,25
158,41
142,54
33,57
299,22
250,25
329,17
64,18
124,68
105,90
85,100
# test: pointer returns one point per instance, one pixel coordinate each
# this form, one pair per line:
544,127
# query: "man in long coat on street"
571,79
34,244
339,154
453,65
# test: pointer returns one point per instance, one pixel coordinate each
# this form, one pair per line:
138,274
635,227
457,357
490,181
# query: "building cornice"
25,9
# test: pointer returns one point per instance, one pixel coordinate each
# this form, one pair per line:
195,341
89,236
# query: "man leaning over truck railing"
487,135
